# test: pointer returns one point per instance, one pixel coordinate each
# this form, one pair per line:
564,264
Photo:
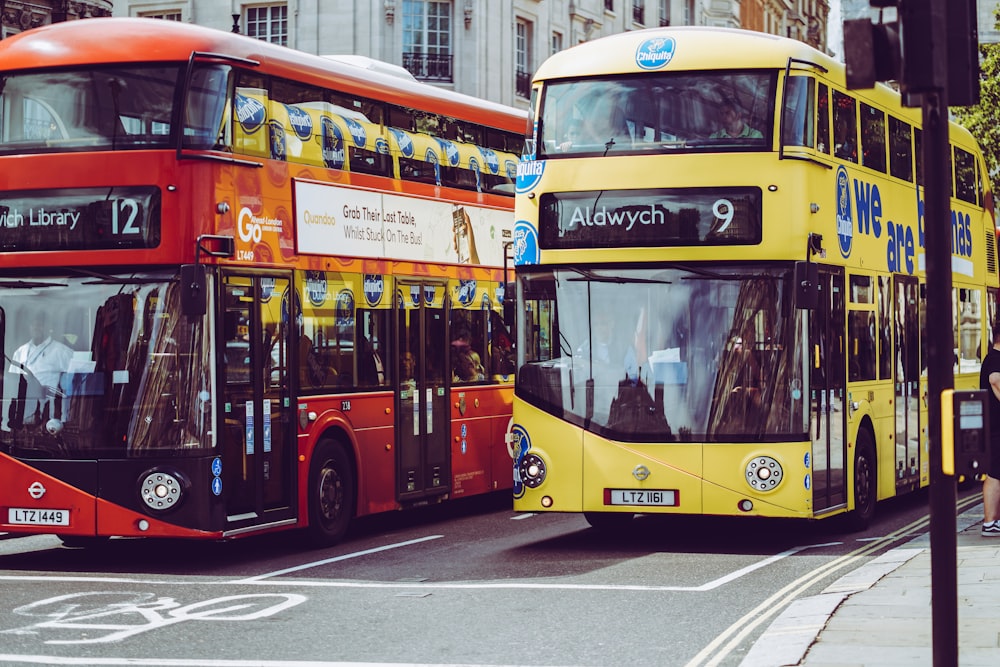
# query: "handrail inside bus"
784,93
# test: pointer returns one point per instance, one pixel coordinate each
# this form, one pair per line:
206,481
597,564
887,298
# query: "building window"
664,13
268,24
427,52
522,57
609,5
166,16
689,12
639,11
557,42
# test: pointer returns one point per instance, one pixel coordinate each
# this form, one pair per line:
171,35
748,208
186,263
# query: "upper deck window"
97,109
703,111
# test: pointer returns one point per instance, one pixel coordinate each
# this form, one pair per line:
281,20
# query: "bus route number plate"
642,497
37,517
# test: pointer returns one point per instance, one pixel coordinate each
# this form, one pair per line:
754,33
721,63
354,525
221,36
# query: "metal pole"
940,375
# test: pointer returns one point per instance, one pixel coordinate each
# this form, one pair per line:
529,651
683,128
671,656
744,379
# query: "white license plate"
37,517
642,497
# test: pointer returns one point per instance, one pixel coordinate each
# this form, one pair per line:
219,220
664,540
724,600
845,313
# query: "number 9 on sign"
723,210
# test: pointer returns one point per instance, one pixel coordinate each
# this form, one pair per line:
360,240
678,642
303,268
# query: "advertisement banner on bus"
364,223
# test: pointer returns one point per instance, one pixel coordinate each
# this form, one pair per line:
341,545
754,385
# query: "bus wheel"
865,482
609,521
331,493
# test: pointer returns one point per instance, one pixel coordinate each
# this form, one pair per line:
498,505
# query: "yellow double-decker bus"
720,276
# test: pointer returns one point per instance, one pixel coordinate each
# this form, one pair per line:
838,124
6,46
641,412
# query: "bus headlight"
532,470
763,473
162,490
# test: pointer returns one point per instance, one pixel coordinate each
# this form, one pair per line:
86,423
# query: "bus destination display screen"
649,218
80,219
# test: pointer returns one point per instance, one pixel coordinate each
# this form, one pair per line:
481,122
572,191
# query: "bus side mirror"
806,285
194,300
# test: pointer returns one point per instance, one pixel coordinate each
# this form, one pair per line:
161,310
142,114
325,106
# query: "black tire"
865,482
331,493
611,522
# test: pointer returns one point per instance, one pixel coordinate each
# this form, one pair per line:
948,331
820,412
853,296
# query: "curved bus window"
87,109
708,111
798,124
206,114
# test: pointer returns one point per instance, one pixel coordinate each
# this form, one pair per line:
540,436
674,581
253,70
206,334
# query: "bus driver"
734,125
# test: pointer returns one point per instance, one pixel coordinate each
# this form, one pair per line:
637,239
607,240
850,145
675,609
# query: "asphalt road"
471,583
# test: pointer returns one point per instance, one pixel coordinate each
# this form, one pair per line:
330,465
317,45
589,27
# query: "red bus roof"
130,40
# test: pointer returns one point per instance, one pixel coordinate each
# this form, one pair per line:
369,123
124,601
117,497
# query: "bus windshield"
700,111
665,354
101,365
104,108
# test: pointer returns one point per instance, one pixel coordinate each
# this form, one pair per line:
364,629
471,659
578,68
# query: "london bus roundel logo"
381,146
511,168
332,144
466,291
520,443
300,121
316,287
845,220
525,243
529,173
403,141
250,113
374,288
655,53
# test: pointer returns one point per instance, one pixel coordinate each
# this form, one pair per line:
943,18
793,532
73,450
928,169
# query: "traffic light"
933,44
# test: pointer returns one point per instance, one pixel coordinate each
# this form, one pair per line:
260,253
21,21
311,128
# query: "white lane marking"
178,662
506,585
356,554
518,517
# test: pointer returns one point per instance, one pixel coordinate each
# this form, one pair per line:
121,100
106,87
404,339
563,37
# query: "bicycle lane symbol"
126,614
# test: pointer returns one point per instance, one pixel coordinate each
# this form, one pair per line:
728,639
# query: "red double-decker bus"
242,288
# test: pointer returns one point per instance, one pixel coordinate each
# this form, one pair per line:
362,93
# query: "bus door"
423,451
906,343
257,415
827,379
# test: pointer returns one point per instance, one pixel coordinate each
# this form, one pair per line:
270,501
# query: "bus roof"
97,41
712,48
696,47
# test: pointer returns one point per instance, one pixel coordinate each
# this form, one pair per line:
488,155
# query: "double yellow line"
715,652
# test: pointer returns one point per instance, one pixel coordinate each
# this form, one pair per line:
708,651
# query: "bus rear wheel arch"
332,493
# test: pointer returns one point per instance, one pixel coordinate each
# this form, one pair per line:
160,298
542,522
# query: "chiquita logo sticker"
655,53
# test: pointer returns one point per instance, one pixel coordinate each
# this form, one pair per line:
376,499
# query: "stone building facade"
20,15
485,48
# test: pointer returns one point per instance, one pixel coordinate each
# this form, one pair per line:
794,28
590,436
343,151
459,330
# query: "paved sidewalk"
880,614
